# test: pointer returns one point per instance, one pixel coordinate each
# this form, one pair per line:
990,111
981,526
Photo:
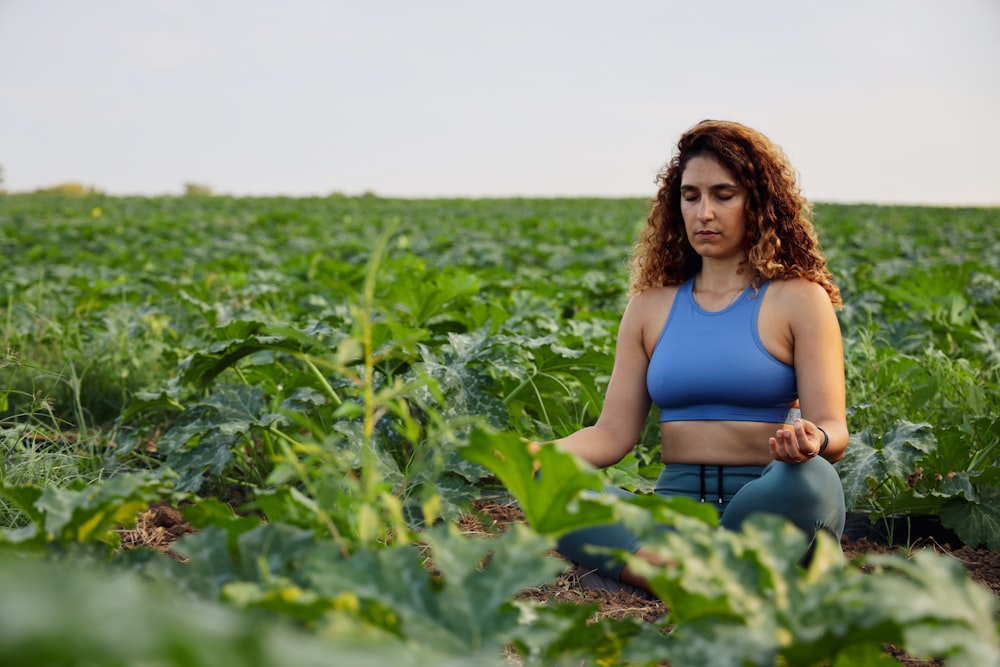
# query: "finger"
800,431
797,441
790,445
778,453
779,446
802,440
782,448
772,444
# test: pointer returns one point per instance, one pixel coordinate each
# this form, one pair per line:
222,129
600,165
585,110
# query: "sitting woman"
731,321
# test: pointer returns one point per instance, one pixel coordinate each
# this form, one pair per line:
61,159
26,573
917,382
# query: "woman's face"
713,206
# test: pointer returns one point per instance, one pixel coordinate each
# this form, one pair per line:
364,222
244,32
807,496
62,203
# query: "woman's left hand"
796,443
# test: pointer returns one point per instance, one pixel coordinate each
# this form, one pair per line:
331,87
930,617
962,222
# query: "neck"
717,292
721,280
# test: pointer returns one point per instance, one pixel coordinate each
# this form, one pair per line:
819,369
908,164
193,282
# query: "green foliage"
349,372
465,604
743,598
922,294
551,482
85,616
78,513
888,475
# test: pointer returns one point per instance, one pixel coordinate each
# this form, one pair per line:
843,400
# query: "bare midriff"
717,442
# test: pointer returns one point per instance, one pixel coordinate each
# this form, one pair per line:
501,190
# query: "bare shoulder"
647,313
799,294
652,303
654,296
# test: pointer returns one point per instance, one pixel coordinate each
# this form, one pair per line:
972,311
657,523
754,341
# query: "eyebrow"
717,186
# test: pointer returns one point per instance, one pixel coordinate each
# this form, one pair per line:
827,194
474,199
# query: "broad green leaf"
482,576
30,536
151,401
724,575
289,505
465,607
237,408
868,462
281,596
303,400
963,485
92,513
860,468
573,634
425,300
464,387
75,615
213,513
238,339
946,613
24,497
648,514
273,550
210,563
904,445
554,499
626,474
745,591
212,453
975,523
908,501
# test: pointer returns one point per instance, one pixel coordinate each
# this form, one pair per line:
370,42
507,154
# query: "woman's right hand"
796,443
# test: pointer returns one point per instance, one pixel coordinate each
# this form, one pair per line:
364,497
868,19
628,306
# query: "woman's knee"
809,494
591,547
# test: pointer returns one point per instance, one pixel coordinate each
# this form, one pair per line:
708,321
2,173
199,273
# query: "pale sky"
886,101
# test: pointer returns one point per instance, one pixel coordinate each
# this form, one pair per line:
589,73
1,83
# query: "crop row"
348,367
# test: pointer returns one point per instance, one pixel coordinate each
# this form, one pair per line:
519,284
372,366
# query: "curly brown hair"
780,243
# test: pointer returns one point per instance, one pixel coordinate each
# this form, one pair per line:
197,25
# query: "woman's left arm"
818,353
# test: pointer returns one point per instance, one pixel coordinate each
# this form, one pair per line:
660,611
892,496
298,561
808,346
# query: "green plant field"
348,368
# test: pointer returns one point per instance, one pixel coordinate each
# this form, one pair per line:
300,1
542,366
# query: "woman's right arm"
626,402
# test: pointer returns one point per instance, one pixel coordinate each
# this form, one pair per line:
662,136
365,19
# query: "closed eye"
721,192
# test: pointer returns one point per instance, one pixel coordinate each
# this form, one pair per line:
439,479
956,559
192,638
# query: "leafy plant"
47,618
887,475
79,513
744,598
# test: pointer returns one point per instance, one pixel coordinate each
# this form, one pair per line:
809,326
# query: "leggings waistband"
705,482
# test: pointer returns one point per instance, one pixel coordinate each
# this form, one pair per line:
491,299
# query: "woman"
731,321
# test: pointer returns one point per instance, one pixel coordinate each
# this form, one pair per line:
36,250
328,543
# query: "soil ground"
159,526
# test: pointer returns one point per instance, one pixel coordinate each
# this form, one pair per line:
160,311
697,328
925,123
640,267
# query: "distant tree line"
75,189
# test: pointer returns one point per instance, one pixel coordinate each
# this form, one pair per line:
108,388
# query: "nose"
705,210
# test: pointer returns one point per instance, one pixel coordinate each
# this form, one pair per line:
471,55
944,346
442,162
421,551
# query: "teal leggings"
807,494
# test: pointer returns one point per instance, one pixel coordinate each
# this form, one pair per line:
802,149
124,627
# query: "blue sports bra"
713,366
